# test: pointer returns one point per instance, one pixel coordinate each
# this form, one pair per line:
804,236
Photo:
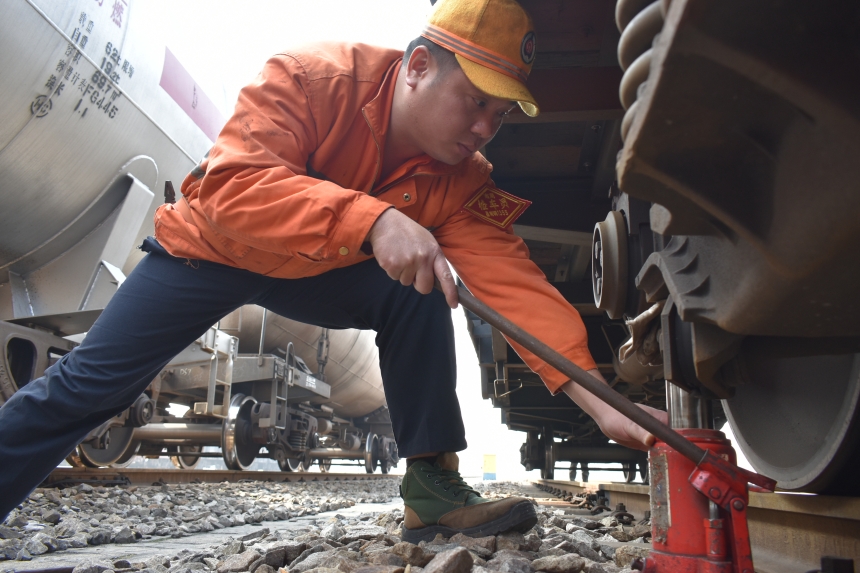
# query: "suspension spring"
640,23
298,439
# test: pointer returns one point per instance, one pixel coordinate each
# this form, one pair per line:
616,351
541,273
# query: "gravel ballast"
290,534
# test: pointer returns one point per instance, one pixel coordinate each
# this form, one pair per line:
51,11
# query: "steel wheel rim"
797,421
291,465
120,442
371,453
127,457
237,452
186,462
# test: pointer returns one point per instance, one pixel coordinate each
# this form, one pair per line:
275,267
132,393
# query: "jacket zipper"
379,192
379,163
378,151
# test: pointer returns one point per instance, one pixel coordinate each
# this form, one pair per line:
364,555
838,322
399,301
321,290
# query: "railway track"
789,532
133,476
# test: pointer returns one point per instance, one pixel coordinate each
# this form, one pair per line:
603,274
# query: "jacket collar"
377,113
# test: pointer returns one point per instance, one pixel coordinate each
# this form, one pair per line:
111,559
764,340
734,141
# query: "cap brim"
499,85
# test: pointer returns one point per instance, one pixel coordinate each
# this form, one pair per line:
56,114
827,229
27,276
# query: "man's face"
451,118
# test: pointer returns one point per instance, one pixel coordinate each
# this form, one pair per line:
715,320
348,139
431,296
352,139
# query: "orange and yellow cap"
494,42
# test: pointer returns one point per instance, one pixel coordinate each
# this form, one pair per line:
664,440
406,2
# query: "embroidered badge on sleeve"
496,207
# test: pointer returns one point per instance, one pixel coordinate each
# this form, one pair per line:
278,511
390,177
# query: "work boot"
437,500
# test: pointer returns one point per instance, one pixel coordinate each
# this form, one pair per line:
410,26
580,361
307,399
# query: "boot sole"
520,517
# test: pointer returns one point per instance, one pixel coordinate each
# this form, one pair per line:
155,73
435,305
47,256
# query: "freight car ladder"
220,346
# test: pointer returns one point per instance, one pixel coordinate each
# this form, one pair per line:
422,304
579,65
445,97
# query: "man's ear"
419,65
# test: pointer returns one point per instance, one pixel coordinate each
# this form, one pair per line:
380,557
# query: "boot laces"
453,479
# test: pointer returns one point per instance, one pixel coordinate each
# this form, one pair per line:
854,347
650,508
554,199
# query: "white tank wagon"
95,118
349,359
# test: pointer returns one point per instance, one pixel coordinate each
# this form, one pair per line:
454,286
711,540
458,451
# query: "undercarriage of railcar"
698,204
244,406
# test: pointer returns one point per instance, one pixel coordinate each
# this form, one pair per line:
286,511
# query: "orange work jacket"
291,188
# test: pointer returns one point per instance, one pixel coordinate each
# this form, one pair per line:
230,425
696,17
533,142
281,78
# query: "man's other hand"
615,425
621,429
410,254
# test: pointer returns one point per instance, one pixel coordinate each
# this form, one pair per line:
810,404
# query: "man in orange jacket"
343,167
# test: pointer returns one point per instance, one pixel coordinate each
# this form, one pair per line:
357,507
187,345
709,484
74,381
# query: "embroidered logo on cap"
496,207
527,48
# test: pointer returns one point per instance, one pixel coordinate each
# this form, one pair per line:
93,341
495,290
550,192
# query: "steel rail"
147,476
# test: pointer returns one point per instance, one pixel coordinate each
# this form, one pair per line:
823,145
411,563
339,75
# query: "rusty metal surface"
131,476
634,497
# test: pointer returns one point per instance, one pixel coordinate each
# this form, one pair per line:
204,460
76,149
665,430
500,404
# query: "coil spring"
640,23
298,439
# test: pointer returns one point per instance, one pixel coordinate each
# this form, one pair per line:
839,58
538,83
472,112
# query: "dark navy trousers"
166,303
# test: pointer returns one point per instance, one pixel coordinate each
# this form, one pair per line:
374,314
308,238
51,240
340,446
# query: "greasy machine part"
797,420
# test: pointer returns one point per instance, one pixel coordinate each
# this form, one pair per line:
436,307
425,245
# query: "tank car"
97,119
694,177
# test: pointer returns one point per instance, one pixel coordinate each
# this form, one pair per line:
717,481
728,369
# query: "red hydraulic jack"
699,495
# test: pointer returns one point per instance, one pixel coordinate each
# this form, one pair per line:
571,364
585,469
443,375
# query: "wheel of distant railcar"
186,462
643,472
629,471
797,419
117,442
371,453
237,447
292,465
391,458
572,473
325,465
585,472
312,442
127,457
548,470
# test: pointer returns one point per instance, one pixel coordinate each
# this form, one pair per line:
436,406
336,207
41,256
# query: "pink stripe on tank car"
179,84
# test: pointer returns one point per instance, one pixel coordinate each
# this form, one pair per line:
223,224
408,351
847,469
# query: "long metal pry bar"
661,431
721,482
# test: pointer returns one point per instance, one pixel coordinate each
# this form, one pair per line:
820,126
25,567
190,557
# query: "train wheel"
119,441
127,457
585,472
548,469
629,471
292,465
371,453
237,447
572,473
325,465
643,472
186,462
797,420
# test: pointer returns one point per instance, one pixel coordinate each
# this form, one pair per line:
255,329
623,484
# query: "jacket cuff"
355,225
554,380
